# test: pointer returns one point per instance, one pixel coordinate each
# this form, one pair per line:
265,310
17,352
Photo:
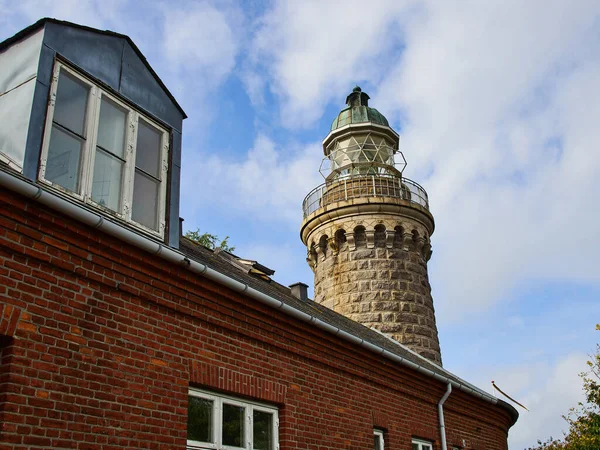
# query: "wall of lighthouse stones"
373,269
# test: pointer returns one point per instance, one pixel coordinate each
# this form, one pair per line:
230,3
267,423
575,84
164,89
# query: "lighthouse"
368,230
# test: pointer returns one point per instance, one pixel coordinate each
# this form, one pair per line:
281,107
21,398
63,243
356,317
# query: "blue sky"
497,104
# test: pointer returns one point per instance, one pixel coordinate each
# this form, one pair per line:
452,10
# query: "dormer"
84,115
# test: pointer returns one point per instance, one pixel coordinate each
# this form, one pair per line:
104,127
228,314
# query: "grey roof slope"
206,256
274,289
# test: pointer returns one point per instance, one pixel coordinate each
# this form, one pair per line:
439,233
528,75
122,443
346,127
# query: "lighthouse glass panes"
216,421
361,154
100,150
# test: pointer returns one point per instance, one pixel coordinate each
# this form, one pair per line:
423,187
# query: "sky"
497,106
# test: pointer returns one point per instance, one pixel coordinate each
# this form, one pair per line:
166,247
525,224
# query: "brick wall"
101,342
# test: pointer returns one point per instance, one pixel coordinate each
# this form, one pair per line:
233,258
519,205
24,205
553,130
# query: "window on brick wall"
104,152
378,438
418,444
220,422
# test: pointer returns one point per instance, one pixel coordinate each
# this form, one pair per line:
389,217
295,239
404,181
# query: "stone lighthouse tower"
367,230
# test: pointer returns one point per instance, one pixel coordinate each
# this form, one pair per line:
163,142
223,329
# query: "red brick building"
117,333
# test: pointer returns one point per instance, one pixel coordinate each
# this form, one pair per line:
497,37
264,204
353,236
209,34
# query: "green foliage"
209,240
584,419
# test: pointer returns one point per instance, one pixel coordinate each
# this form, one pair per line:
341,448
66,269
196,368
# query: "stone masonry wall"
374,271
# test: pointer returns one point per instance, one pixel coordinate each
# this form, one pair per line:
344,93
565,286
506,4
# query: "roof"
358,111
212,259
40,23
206,256
205,262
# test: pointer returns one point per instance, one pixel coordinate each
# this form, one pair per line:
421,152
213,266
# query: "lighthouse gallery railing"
356,186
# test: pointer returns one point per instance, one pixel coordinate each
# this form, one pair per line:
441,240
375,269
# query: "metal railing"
357,186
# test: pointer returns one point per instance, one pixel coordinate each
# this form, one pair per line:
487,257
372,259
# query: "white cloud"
202,41
548,391
497,102
547,388
311,52
93,13
262,184
499,110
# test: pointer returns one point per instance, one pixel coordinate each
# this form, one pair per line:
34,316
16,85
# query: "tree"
584,419
209,240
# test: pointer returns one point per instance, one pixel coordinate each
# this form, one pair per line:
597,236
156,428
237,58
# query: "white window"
418,444
221,422
104,152
378,438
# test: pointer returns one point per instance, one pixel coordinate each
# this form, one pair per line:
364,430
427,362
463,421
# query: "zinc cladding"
359,114
206,256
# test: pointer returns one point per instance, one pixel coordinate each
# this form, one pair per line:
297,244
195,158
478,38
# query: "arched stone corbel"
420,243
333,245
427,252
389,238
320,252
311,259
370,238
407,239
351,242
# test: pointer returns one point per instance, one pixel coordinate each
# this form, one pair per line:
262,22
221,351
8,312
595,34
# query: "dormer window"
100,150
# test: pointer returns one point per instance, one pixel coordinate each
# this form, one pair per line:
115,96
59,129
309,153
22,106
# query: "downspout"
441,413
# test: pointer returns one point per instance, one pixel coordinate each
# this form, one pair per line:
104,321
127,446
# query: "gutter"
441,414
83,215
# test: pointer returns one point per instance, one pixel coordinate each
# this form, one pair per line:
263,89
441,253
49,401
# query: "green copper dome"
358,111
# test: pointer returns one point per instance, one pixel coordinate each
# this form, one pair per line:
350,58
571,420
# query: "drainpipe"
441,412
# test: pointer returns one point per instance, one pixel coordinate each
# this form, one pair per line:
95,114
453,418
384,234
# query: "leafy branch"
211,241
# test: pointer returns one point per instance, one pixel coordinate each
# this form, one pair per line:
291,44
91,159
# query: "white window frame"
379,434
217,416
423,445
88,153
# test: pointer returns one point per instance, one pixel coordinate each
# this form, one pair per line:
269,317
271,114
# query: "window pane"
377,443
111,129
200,419
64,157
106,184
233,425
415,446
147,155
263,430
71,102
145,200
